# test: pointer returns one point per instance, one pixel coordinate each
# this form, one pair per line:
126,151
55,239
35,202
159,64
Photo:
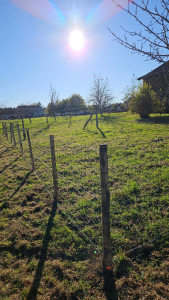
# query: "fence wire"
138,180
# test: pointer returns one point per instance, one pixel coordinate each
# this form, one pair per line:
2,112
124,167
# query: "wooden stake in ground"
13,135
11,132
54,170
6,131
47,122
23,127
109,284
30,149
20,141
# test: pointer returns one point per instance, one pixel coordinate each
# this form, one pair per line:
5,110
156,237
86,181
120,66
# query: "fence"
138,179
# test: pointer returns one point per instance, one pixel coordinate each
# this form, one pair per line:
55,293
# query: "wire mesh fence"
138,180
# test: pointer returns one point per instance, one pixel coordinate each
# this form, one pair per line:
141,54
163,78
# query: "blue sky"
35,51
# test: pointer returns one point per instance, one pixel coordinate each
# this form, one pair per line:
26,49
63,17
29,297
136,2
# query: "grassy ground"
49,252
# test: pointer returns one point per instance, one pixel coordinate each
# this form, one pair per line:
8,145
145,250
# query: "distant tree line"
73,104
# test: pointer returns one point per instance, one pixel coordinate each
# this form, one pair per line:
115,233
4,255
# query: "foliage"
142,100
54,99
73,104
151,19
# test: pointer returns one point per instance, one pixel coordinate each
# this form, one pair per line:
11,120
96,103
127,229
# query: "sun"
76,40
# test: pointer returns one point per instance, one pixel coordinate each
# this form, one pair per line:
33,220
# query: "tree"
152,38
100,94
143,101
54,99
77,103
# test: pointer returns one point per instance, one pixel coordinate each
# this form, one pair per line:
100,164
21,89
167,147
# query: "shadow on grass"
22,183
8,148
102,133
7,166
113,118
155,120
43,129
32,295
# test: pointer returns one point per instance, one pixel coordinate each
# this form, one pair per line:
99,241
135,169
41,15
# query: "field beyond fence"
54,249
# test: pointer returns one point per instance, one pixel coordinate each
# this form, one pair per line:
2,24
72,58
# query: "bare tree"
54,99
152,38
100,94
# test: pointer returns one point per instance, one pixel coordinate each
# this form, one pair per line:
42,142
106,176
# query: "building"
159,80
30,111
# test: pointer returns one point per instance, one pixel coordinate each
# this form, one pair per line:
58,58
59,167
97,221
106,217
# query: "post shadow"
7,166
22,183
32,295
43,129
101,132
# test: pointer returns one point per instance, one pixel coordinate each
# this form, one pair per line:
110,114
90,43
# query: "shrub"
143,101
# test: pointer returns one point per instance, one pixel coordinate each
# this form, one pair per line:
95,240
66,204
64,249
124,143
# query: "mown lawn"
53,252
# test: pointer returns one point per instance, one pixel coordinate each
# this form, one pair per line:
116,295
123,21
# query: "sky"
36,51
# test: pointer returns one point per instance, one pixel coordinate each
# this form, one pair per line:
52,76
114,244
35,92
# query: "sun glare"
76,40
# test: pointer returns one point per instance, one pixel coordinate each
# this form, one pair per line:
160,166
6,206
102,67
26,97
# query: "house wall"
159,84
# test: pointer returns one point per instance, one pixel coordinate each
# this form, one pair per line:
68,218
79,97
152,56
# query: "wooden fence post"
23,127
109,284
30,149
5,130
47,122
20,141
11,132
53,157
13,135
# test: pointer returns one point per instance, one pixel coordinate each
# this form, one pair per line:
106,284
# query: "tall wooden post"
20,141
11,132
54,171
13,135
6,131
47,122
30,149
23,127
109,284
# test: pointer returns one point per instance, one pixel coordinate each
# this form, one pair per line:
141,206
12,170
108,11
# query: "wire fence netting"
138,182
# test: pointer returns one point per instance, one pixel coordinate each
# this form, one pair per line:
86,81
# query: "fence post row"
54,170
30,149
105,194
20,141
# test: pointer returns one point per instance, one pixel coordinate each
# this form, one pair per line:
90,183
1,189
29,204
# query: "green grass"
56,253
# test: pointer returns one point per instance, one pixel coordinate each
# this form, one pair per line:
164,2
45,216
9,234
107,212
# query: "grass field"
49,252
